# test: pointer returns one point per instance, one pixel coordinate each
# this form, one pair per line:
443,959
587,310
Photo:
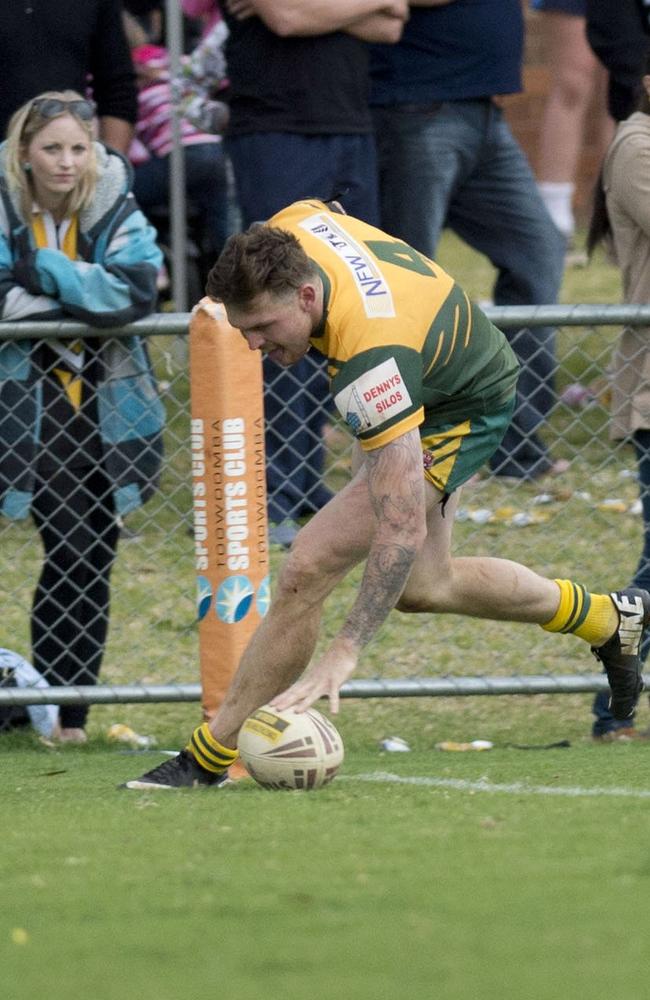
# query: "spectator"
300,126
203,118
621,219
69,45
577,83
447,157
80,420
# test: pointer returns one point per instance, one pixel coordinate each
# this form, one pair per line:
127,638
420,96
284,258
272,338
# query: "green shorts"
454,452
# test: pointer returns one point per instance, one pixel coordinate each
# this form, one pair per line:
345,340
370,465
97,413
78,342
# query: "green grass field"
500,875
514,874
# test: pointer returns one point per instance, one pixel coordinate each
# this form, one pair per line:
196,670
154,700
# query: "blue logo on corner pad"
264,596
203,596
234,599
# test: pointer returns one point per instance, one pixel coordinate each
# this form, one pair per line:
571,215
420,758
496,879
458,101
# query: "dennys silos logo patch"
371,284
373,398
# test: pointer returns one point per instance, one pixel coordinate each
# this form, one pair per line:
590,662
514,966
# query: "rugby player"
426,383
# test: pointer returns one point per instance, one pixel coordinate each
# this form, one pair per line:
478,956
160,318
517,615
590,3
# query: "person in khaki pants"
621,219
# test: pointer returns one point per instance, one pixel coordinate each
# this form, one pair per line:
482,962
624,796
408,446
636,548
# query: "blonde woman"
80,420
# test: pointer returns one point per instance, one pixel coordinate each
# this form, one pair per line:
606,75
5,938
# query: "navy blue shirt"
465,49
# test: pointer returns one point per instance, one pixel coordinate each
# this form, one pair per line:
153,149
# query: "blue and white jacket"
113,283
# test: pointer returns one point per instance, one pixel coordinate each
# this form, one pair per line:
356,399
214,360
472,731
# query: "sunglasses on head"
50,107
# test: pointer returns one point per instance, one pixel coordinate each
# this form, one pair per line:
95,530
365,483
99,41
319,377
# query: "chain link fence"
585,524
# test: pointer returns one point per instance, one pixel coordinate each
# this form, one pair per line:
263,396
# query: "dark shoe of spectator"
622,735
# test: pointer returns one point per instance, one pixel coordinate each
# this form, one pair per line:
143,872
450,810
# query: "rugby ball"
290,750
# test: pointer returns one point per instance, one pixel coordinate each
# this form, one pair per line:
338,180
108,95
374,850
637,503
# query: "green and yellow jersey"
405,346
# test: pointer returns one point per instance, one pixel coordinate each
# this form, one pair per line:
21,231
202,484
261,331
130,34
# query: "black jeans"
73,511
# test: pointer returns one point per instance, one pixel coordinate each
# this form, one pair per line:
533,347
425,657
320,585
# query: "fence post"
229,495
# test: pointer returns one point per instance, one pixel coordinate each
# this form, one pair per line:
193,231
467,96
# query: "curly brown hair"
261,259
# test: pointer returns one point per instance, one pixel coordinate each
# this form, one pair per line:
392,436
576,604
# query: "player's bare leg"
613,624
482,587
336,539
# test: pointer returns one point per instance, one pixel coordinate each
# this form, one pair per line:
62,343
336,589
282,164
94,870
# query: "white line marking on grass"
514,788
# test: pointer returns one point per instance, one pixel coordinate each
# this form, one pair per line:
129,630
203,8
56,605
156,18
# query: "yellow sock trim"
591,617
571,609
209,753
601,622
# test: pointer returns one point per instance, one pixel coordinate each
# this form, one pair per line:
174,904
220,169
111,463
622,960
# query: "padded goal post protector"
228,495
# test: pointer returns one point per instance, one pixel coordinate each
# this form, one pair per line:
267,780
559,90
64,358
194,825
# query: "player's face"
279,326
59,155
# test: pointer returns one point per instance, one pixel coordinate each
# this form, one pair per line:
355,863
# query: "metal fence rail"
412,687
586,526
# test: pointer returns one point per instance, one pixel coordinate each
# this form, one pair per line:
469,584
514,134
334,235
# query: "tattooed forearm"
386,573
396,486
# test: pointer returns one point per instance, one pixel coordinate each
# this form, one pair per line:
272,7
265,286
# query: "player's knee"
411,603
302,579
426,598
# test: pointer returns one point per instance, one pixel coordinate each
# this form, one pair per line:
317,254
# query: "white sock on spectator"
558,198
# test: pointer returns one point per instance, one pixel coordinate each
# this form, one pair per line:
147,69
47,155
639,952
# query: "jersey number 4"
402,255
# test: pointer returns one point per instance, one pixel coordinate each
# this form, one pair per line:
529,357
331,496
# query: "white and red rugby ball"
290,750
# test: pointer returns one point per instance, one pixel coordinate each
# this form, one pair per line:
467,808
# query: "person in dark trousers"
80,419
621,220
299,126
619,33
448,158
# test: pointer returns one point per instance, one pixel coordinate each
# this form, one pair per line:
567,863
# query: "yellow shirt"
405,346
62,237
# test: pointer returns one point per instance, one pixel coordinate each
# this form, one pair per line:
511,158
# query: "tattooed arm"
396,488
396,493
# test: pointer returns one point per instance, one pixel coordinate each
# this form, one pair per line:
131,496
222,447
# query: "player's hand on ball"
322,679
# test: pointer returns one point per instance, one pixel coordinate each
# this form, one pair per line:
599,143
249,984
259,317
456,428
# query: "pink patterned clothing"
153,128
203,117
